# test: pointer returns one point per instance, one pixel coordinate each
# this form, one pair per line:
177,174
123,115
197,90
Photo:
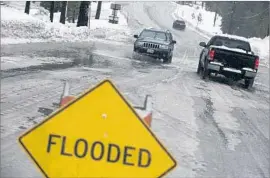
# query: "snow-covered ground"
207,28
18,27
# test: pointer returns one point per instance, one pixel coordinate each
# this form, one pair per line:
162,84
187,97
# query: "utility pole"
27,7
51,11
231,19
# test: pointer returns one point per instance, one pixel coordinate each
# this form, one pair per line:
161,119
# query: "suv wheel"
167,60
134,55
205,73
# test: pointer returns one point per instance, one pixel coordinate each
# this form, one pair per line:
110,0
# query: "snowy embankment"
18,27
207,29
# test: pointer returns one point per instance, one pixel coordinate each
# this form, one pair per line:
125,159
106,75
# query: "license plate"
150,51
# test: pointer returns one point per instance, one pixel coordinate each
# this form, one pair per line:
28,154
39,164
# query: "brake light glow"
257,61
211,54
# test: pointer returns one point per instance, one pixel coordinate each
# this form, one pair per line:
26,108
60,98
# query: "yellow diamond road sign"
97,135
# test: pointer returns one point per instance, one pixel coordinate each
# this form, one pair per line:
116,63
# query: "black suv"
179,24
155,43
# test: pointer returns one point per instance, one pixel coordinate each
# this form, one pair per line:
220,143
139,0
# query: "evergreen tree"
47,5
73,10
245,18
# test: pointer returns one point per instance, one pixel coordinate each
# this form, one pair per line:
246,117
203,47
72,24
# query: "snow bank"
207,29
18,27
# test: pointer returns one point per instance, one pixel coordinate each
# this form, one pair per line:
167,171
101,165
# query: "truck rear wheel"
249,83
199,68
205,72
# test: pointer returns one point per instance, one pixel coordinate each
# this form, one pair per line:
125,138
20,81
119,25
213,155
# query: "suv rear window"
155,35
180,21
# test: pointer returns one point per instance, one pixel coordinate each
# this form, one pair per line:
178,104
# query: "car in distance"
179,24
155,43
230,56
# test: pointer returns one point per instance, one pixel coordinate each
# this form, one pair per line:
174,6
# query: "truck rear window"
231,43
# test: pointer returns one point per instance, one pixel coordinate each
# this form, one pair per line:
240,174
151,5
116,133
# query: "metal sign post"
113,18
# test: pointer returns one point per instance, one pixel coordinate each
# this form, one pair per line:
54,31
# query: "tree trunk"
63,12
27,7
231,19
51,11
83,14
202,4
215,18
267,31
98,9
73,16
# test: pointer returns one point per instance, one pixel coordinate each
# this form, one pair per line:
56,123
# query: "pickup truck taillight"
211,54
257,61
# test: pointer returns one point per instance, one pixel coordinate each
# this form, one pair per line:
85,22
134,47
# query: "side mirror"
203,44
173,41
136,36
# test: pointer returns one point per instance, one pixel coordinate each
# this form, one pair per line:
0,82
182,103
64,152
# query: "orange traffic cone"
66,98
148,107
147,118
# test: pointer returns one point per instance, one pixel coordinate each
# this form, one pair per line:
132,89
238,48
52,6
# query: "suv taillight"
257,61
211,54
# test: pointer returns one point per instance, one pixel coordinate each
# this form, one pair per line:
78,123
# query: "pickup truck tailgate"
234,59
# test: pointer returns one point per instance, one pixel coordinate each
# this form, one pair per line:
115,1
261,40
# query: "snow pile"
18,27
207,29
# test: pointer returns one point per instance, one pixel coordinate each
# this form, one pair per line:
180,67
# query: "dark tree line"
70,10
244,18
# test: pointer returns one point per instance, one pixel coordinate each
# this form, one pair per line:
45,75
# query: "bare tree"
231,18
63,12
27,7
215,18
83,14
73,16
51,11
98,10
